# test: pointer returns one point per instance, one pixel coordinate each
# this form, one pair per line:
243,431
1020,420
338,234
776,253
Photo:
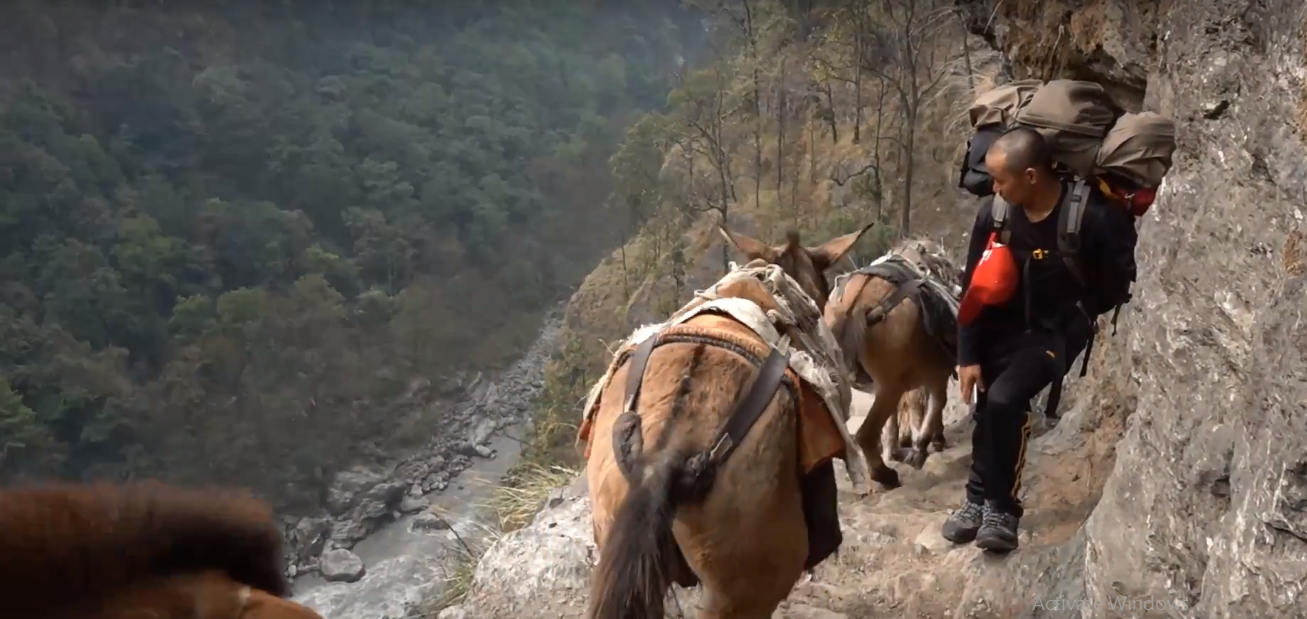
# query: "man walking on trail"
1013,349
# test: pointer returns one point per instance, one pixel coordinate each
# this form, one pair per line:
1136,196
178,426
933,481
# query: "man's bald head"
1021,149
1021,163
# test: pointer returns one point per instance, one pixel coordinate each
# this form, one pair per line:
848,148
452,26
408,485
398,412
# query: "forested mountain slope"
233,235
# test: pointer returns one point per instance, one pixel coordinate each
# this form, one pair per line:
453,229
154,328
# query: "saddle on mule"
792,349
927,289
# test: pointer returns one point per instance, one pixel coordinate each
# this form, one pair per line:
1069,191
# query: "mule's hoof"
916,458
939,444
887,477
904,454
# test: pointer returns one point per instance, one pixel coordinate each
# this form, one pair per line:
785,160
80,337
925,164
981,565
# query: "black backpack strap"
998,212
1074,202
1089,346
1054,398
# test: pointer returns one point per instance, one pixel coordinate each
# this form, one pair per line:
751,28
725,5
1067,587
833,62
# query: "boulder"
341,565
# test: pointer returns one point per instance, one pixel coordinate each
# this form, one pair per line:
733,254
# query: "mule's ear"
831,251
752,248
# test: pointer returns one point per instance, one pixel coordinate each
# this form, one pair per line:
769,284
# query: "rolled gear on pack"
1097,146
1135,156
992,113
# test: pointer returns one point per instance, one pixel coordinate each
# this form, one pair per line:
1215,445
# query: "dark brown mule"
140,551
699,446
877,314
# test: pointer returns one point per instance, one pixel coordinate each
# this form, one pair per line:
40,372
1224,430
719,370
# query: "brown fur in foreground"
900,357
747,540
207,595
140,550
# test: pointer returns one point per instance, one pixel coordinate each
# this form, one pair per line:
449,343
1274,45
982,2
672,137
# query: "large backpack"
1098,147
1092,137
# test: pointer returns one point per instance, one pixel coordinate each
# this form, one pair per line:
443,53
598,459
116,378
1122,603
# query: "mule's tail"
852,330
635,567
849,324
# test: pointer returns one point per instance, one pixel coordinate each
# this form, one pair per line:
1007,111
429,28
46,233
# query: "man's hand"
969,377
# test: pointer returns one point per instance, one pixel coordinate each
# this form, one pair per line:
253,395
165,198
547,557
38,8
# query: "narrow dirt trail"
893,562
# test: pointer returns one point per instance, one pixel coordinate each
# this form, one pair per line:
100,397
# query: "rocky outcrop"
1205,503
542,563
1176,483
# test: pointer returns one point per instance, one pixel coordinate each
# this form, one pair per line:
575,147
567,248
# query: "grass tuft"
515,504
471,543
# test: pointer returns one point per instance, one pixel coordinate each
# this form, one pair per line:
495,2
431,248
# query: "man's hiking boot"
963,524
998,531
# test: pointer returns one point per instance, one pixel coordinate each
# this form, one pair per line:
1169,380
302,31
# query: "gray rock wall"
1207,502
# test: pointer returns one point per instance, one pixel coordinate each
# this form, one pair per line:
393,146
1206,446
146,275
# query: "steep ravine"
425,507
1176,483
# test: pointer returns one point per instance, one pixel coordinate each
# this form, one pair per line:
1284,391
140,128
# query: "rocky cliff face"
1176,483
1208,499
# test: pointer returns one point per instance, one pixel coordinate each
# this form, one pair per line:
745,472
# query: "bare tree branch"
835,176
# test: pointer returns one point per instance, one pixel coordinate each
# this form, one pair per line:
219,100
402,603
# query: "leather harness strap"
747,411
628,440
887,305
635,373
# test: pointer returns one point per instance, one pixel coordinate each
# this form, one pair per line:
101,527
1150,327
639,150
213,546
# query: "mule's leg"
756,594
891,439
935,422
930,426
906,418
886,404
915,411
716,606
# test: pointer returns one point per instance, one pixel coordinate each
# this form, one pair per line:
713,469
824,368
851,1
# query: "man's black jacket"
1049,298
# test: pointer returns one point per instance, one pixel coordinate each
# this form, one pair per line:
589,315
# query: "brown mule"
139,551
675,499
877,315
807,265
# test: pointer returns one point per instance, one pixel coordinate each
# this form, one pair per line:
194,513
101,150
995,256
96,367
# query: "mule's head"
807,265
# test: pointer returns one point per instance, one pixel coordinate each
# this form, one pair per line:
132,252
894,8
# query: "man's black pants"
1003,423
